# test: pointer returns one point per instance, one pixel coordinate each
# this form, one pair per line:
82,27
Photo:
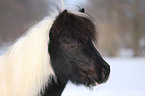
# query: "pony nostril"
103,73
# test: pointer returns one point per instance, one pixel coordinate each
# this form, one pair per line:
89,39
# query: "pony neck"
54,89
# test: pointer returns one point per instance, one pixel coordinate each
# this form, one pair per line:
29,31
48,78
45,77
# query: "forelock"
74,25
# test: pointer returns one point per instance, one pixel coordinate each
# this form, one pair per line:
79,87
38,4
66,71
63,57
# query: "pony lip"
92,79
97,84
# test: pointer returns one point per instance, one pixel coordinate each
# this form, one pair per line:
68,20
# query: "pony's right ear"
63,16
65,11
82,10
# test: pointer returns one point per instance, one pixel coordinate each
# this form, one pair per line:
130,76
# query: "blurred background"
121,40
121,23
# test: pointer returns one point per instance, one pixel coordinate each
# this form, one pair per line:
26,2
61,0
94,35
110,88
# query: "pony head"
60,47
72,52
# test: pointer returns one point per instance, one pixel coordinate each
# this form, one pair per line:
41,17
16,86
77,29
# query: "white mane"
25,68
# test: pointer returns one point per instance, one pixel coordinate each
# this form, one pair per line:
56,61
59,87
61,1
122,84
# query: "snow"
127,78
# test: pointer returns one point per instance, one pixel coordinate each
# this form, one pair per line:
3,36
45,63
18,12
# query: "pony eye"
73,44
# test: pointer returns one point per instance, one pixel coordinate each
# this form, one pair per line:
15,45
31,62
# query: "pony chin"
25,68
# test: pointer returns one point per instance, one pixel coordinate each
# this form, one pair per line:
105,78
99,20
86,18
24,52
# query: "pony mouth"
92,81
95,84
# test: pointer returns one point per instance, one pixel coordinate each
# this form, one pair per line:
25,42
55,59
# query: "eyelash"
73,44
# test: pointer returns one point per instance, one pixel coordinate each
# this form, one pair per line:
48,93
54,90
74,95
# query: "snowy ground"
127,78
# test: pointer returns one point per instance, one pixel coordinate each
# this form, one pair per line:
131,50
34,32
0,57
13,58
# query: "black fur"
82,10
73,55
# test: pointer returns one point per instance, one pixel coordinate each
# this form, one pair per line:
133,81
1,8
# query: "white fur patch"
25,68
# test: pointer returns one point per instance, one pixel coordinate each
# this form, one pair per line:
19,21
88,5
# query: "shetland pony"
56,50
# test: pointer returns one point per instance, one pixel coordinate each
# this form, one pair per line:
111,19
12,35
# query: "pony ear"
64,14
58,25
65,11
82,10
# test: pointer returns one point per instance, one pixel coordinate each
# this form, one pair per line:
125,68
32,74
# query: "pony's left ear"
82,10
